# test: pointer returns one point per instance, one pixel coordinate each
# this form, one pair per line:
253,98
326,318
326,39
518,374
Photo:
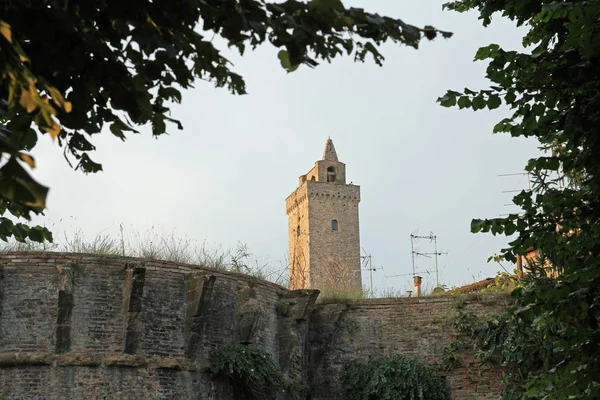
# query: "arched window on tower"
334,225
330,174
298,231
312,178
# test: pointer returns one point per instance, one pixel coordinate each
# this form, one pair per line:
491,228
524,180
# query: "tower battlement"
350,192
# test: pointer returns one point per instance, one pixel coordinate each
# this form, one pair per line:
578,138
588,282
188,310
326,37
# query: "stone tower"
323,230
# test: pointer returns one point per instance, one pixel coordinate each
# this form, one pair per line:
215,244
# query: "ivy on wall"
395,377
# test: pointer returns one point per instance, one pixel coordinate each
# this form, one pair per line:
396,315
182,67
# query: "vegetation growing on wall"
395,377
250,371
509,342
157,245
553,91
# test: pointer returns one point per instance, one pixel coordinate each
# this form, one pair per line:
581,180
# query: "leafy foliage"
391,378
508,341
72,69
251,371
554,94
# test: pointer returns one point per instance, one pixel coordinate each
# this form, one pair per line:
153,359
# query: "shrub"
392,378
250,371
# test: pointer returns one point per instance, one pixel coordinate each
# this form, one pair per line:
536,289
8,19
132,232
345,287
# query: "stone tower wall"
298,239
334,255
319,171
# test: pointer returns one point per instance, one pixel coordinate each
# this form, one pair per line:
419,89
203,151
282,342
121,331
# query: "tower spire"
329,152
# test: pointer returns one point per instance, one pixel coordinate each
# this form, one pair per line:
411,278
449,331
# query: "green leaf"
20,232
553,164
576,13
464,102
6,227
16,185
478,103
487,52
510,228
476,225
170,93
494,101
510,97
284,58
37,234
448,100
502,126
496,227
539,109
326,6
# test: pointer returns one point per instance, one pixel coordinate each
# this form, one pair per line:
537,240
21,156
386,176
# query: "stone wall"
317,253
82,326
298,238
334,255
419,328
76,326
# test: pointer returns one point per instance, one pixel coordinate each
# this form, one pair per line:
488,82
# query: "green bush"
392,378
250,371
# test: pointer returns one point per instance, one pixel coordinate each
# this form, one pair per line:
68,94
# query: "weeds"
155,245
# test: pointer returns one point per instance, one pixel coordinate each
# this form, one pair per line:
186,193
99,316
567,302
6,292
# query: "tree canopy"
553,90
71,69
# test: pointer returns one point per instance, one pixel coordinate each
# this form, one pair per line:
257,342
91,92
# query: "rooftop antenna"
519,257
409,274
432,238
367,264
515,190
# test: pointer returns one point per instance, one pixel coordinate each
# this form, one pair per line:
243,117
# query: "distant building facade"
323,228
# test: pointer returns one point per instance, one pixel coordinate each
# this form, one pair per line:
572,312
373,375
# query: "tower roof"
329,152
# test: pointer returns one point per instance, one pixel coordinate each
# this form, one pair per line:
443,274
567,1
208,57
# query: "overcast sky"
225,177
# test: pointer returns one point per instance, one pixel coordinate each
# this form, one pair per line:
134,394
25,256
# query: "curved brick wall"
85,326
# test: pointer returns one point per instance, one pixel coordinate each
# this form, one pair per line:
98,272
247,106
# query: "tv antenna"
368,265
436,253
515,190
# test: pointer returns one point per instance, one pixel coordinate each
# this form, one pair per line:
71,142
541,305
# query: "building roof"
474,287
329,152
482,285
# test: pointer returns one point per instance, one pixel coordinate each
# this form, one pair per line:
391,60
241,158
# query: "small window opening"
334,225
312,178
330,174
298,231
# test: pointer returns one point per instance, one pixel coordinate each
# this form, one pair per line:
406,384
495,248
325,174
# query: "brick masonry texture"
419,328
77,326
320,257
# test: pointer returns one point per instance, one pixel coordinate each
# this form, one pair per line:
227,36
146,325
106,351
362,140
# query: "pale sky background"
225,177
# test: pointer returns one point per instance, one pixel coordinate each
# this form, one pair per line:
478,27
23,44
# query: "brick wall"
416,327
78,326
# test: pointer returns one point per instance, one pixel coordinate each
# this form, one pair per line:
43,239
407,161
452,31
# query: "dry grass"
337,282
156,245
